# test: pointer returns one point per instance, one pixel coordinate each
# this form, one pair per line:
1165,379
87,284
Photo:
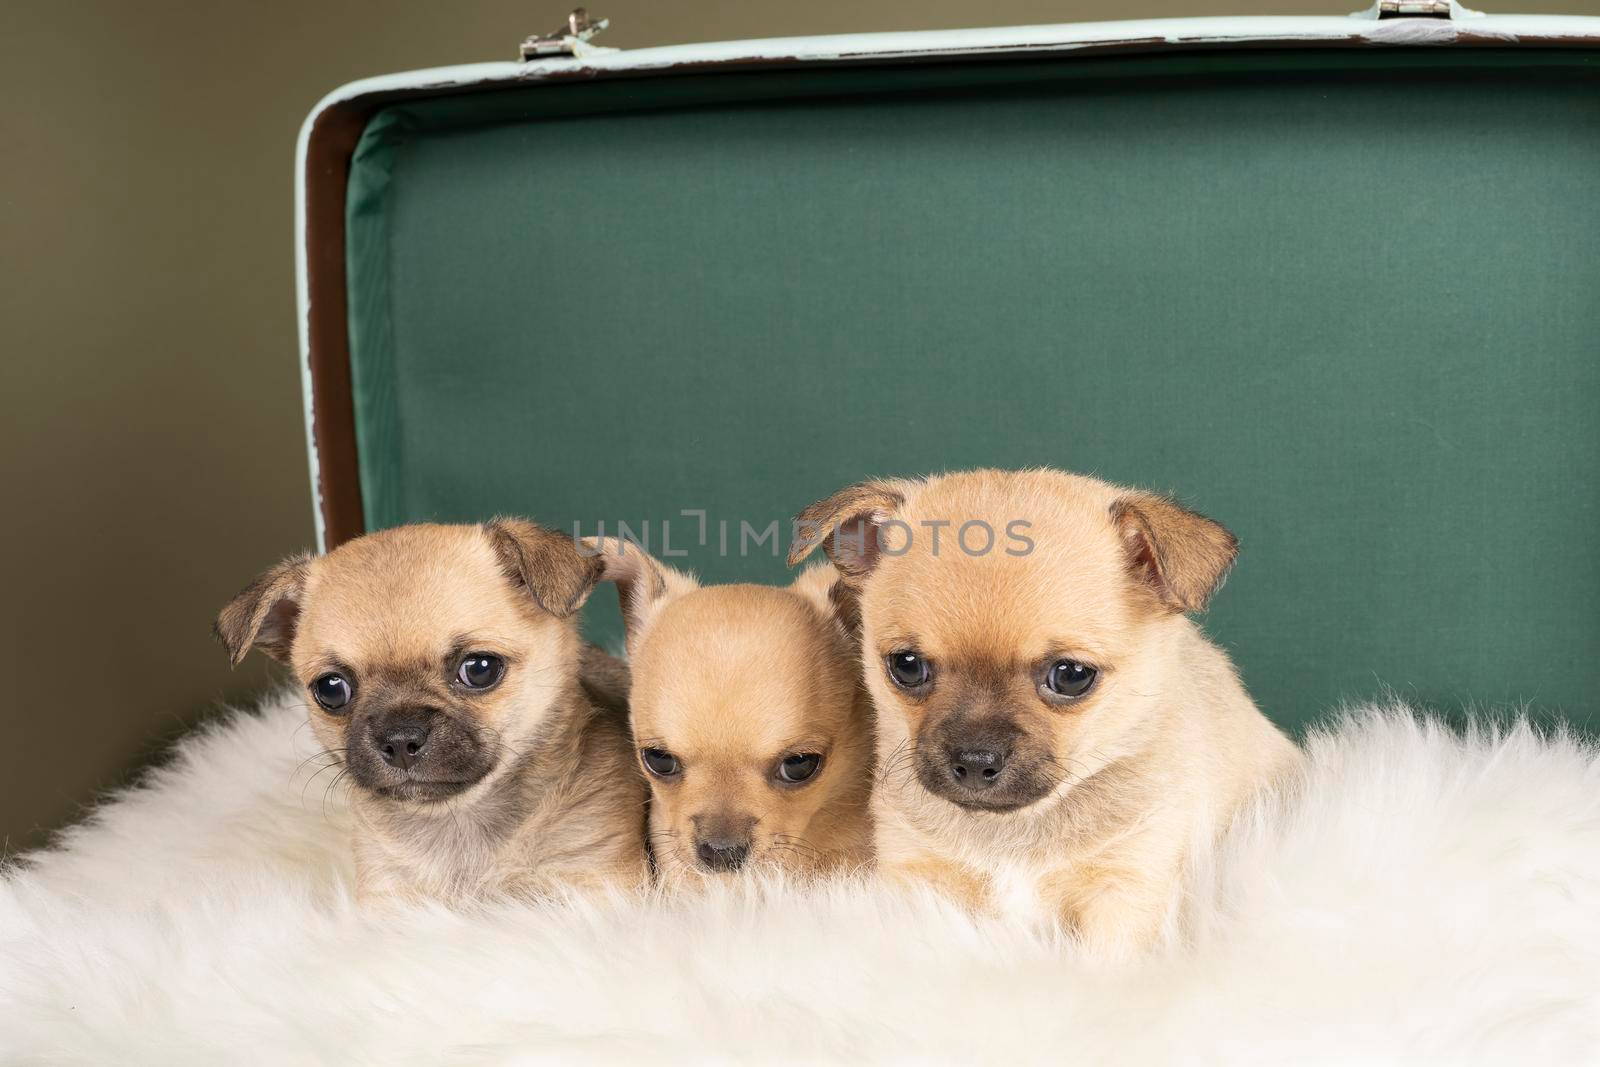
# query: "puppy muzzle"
722,843
416,753
981,767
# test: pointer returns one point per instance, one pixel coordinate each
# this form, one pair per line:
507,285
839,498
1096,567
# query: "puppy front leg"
1115,914
956,881
384,882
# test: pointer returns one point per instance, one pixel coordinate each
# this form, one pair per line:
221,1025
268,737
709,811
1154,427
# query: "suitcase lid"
1332,280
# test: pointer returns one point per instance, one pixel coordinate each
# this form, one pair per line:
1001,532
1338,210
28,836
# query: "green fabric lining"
1343,301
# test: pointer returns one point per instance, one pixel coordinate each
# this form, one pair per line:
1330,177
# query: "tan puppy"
749,718
443,668
1054,734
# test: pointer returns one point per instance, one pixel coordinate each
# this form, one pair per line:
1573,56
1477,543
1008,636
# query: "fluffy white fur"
1425,899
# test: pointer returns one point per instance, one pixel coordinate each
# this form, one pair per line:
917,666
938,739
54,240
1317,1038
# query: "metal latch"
567,40
1416,9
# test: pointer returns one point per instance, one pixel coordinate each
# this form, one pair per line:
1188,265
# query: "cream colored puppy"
442,668
1054,734
749,720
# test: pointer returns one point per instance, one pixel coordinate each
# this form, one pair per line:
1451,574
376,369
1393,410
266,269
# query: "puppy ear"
549,565
644,583
820,586
846,525
1182,556
266,612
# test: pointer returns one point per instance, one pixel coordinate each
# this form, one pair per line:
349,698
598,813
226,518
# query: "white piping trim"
302,299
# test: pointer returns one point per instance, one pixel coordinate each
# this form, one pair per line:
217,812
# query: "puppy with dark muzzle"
749,719
1054,734
442,665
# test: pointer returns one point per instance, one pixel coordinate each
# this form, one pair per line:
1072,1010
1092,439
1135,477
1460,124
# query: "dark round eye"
332,691
1069,678
908,669
797,769
480,670
660,762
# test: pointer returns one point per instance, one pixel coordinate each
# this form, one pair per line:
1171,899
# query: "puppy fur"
1101,796
517,787
728,682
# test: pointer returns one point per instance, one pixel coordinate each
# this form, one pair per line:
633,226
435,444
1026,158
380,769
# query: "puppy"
1054,735
487,746
749,719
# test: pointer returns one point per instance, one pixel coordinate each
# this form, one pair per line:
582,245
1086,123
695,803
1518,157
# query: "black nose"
976,769
400,742
722,853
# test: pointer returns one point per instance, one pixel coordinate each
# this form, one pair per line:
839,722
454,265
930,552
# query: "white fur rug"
1430,899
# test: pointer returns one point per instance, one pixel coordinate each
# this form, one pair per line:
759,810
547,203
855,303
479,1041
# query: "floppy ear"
266,612
846,525
547,564
644,583
1180,555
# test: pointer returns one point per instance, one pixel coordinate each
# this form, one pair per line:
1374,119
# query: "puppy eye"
799,768
908,669
332,691
1069,678
480,670
660,762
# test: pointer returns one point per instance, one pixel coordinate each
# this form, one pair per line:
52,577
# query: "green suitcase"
1334,282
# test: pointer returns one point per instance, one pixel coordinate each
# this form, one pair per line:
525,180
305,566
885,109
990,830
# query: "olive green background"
153,446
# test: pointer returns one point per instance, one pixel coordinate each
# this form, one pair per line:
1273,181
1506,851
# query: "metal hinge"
1414,9
568,40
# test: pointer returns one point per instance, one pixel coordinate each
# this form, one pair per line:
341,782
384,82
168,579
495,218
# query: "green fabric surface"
1347,303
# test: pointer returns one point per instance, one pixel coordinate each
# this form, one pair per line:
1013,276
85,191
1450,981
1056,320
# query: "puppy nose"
400,743
722,853
976,768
